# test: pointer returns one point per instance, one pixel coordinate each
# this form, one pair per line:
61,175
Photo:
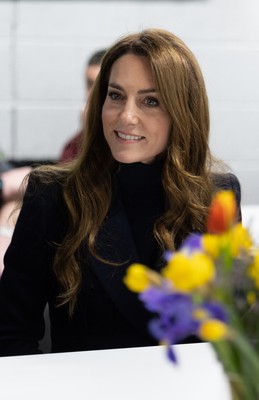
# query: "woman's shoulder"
43,202
44,182
228,181
43,194
225,181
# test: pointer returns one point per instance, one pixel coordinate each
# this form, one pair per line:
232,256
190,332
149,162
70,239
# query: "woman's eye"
152,102
115,96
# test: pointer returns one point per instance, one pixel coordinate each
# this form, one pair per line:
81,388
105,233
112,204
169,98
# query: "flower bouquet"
209,289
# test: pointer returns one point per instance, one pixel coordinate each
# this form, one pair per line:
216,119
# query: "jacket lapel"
115,243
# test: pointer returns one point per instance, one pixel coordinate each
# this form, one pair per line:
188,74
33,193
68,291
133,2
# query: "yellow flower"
189,272
240,239
251,297
235,239
253,270
213,330
211,244
223,212
137,278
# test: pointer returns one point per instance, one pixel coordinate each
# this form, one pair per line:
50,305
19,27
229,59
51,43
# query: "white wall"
44,46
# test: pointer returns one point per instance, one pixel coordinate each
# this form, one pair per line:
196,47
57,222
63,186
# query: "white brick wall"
44,46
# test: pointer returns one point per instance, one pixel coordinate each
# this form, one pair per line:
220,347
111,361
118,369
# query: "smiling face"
135,124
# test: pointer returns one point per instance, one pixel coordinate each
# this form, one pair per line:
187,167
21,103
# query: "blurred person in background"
10,181
11,177
71,148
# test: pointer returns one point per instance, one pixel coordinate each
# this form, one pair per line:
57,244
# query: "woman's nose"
129,113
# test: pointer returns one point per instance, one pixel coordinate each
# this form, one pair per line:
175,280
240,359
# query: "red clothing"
71,148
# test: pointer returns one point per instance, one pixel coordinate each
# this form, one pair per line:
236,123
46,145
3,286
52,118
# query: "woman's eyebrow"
141,91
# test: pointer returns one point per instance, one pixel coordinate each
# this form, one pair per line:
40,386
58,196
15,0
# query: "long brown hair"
87,182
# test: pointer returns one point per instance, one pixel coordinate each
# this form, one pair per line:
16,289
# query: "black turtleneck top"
143,197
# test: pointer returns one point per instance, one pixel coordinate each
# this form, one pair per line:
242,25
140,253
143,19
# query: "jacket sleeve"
24,284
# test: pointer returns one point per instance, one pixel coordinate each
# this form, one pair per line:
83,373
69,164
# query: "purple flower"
168,255
175,318
157,299
192,243
216,310
174,321
171,354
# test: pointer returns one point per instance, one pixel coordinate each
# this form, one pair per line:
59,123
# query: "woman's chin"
126,158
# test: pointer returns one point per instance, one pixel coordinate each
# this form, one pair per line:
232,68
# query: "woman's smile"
126,137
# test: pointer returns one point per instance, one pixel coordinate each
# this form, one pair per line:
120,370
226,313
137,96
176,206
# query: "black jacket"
107,315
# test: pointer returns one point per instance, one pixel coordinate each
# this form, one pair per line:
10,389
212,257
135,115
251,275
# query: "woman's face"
135,125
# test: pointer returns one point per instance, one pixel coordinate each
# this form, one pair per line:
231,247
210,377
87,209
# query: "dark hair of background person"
96,57
72,146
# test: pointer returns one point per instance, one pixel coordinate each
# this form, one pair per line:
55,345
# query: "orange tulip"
223,212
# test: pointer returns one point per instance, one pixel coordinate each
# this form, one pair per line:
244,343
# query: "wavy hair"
87,182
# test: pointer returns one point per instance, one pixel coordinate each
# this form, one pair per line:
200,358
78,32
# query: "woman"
142,182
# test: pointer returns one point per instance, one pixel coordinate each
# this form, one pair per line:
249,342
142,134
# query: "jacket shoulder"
228,181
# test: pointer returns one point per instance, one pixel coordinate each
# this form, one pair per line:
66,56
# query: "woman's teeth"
128,137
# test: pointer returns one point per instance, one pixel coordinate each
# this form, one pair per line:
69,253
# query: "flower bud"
223,212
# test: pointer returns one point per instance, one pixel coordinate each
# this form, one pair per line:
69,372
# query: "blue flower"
175,320
168,255
157,299
216,310
192,243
